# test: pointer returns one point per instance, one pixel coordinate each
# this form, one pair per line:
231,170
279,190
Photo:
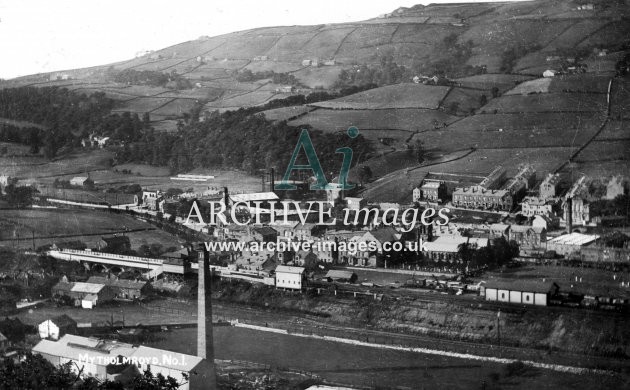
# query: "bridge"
153,267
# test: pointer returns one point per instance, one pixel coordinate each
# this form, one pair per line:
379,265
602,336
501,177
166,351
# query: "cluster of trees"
19,196
153,78
498,253
513,54
247,75
68,117
28,135
35,372
385,73
450,63
618,207
235,139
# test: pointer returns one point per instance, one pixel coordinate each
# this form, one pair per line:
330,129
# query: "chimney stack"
273,180
570,216
205,342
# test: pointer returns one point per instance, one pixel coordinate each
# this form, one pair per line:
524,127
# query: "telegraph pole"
499,326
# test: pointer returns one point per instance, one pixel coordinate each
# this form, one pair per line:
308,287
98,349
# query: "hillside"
459,78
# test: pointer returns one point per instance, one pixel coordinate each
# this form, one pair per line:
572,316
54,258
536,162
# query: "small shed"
528,292
55,327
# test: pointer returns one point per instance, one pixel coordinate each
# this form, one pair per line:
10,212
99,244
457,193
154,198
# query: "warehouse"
528,292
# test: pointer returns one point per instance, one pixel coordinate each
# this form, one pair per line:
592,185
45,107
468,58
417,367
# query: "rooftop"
90,288
289,270
451,243
254,196
521,285
575,239
431,184
122,283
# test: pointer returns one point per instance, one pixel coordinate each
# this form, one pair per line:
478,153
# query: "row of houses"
98,290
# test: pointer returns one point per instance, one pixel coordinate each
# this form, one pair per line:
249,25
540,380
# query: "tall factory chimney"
570,216
226,198
205,342
273,180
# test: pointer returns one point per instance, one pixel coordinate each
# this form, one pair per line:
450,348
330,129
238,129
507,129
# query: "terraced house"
478,197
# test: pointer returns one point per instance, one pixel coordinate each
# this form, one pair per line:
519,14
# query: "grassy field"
574,34
583,83
464,99
597,151
395,119
143,104
615,130
488,81
176,108
514,131
77,163
164,125
250,99
620,99
324,77
548,102
368,366
54,225
392,96
286,113
52,222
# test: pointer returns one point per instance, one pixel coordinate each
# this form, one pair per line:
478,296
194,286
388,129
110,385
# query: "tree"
418,148
34,372
483,100
495,92
19,197
35,141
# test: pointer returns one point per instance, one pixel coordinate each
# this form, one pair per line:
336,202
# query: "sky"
49,35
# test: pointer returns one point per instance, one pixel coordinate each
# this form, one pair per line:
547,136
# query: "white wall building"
288,277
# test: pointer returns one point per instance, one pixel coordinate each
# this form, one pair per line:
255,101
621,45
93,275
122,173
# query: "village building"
305,232
355,203
572,243
4,342
545,222
446,248
290,278
264,234
434,191
532,206
54,328
528,237
526,292
242,199
478,197
576,204
86,295
495,179
549,186
113,358
150,200
123,288
498,230
81,181
615,187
